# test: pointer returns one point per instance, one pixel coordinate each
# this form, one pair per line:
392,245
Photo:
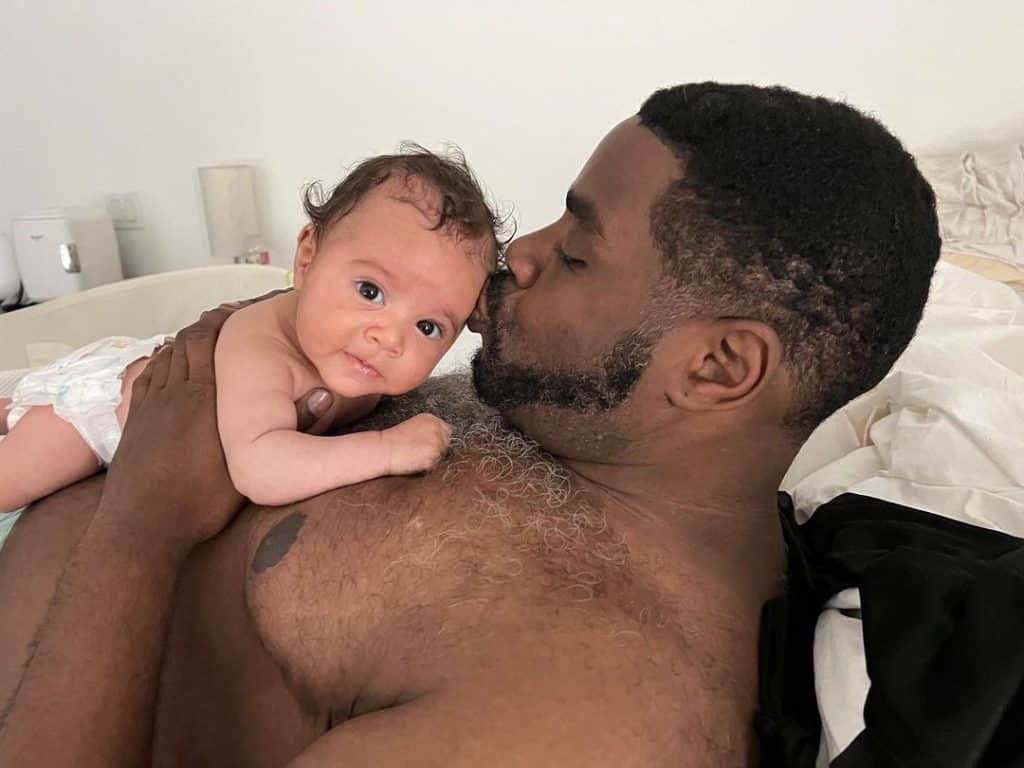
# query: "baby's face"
382,297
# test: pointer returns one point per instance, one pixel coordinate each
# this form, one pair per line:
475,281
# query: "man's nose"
522,261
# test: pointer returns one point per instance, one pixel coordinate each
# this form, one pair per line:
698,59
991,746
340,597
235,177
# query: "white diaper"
84,389
7,521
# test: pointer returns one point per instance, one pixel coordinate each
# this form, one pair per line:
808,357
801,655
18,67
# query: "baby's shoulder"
253,339
252,331
261,319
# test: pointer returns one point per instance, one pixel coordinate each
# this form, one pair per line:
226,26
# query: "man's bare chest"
421,577
373,596
223,699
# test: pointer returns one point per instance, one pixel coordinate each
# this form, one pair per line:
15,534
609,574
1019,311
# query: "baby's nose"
387,337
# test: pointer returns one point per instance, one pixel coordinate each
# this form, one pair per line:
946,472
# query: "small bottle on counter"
254,253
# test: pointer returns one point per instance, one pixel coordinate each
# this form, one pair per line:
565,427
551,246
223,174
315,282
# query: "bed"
944,432
142,306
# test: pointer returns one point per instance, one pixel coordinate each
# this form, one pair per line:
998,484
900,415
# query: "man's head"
747,253
389,269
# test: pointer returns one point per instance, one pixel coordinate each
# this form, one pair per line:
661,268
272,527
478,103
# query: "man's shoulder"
362,531
467,580
333,583
398,558
406,589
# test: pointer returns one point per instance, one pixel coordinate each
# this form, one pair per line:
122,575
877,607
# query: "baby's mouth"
362,366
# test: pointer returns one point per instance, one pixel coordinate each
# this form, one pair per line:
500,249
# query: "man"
733,264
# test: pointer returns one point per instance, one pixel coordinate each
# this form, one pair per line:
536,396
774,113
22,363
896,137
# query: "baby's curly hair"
802,213
462,210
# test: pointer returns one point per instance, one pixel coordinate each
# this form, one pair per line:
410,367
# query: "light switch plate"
125,209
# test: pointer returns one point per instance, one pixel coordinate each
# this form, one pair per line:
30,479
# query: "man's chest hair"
389,588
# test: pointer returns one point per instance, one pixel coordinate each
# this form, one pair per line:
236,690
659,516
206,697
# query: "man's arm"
87,695
87,692
37,552
82,693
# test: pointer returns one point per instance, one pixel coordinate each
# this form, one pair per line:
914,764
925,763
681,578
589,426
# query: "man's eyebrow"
585,212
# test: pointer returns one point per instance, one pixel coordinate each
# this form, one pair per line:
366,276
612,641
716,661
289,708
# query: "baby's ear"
305,251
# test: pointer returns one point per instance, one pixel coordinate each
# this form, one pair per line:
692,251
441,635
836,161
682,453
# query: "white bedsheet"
944,432
9,380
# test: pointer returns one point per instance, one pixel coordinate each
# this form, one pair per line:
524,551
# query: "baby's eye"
370,291
429,328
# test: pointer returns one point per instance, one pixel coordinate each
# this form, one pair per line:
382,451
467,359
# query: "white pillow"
979,197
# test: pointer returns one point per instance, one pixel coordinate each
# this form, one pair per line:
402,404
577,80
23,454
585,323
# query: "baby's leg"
42,454
5,404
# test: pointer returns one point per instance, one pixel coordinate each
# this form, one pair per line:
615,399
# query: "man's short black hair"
802,213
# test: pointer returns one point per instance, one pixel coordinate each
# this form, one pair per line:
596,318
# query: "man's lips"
362,366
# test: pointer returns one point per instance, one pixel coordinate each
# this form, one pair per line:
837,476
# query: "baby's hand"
416,445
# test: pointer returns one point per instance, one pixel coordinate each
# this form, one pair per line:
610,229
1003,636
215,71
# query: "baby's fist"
417,445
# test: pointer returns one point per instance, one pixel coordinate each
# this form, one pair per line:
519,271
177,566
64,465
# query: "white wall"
132,95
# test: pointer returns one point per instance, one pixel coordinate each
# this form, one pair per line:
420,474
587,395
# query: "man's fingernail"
318,402
231,304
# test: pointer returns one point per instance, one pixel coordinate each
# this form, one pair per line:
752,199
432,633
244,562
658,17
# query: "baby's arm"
272,463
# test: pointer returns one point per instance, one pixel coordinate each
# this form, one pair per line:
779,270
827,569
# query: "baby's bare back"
258,337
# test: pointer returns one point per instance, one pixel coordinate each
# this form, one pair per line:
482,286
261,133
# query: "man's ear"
305,251
727,366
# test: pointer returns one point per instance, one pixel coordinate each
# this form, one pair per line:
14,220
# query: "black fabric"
943,619
787,721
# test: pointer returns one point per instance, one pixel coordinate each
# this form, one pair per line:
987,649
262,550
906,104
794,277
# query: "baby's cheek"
420,368
314,336
426,364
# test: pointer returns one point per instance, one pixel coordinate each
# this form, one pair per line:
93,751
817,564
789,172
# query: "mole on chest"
277,542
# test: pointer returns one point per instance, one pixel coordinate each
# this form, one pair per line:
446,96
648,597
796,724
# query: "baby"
386,274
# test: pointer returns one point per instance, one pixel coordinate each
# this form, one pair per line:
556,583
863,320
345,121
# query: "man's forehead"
627,171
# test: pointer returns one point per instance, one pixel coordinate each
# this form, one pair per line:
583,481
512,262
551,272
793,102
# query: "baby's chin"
355,386
342,378
351,388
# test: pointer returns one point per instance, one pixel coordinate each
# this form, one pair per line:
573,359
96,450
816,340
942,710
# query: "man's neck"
711,508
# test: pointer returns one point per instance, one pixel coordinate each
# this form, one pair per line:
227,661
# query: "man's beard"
506,385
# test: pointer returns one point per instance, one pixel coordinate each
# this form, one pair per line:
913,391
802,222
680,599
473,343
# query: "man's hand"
169,468
86,695
169,471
